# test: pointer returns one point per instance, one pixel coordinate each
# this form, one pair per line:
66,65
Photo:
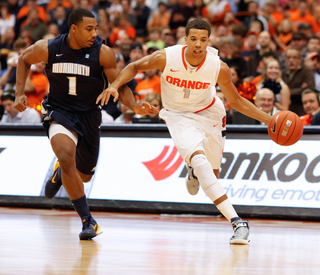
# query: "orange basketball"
285,128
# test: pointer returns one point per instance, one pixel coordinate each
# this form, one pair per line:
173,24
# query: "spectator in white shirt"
11,115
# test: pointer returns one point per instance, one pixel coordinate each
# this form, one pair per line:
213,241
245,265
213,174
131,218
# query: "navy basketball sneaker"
90,229
54,183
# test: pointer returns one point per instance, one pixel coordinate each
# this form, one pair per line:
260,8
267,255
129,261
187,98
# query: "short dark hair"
269,54
298,36
77,16
198,24
19,44
8,94
314,37
311,91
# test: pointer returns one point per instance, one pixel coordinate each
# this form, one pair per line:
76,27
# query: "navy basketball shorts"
87,126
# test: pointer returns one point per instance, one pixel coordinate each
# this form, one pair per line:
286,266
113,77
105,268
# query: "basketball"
285,128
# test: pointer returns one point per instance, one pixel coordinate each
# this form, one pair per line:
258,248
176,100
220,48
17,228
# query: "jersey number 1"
186,93
72,85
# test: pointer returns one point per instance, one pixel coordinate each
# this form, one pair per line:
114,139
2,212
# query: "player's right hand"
105,96
21,103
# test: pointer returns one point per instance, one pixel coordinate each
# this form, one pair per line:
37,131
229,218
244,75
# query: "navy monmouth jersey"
76,76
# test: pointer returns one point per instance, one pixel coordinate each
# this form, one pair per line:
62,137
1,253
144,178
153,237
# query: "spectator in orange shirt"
284,36
37,86
24,11
124,27
273,16
161,18
151,84
55,3
293,9
304,16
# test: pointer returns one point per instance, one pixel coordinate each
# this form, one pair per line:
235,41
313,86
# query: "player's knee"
203,170
66,159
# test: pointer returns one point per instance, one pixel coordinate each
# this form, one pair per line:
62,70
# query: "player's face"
197,42
86,32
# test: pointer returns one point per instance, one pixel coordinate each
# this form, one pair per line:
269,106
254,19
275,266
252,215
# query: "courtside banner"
253,172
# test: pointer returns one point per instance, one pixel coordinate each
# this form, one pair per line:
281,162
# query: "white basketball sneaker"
192,181
241,232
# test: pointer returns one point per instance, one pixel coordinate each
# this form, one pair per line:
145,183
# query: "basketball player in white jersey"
195,117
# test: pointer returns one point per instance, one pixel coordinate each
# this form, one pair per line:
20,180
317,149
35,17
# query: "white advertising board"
253,172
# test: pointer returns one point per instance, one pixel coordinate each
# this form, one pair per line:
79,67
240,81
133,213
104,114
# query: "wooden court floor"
46,242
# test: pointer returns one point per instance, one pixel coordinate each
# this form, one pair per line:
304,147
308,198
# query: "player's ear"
73,28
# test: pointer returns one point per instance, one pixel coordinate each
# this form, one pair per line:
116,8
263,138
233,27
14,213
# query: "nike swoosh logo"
53,179
59,54
275,125
174,71
216,125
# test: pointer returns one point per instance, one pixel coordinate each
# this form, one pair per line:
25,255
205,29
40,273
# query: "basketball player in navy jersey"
195,117
78,67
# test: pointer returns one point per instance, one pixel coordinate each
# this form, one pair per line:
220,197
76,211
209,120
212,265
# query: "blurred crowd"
271,46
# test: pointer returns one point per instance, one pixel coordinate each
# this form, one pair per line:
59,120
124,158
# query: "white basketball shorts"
204,131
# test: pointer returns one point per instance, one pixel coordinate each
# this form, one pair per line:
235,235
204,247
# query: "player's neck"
72,43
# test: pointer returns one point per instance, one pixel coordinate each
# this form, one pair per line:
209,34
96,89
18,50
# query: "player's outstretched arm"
235,100
123,93
32,55
157,60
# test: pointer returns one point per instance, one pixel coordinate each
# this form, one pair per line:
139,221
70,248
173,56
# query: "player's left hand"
144,108
105,95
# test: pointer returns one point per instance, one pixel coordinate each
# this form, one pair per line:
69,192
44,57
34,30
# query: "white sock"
211,186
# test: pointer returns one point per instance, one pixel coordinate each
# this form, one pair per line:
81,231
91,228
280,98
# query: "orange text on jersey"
189,84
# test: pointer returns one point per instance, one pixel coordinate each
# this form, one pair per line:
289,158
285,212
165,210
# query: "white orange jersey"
185,90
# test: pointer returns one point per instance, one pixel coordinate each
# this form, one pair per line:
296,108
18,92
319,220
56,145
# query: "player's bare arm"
237,101
124,94
32,55
157,60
